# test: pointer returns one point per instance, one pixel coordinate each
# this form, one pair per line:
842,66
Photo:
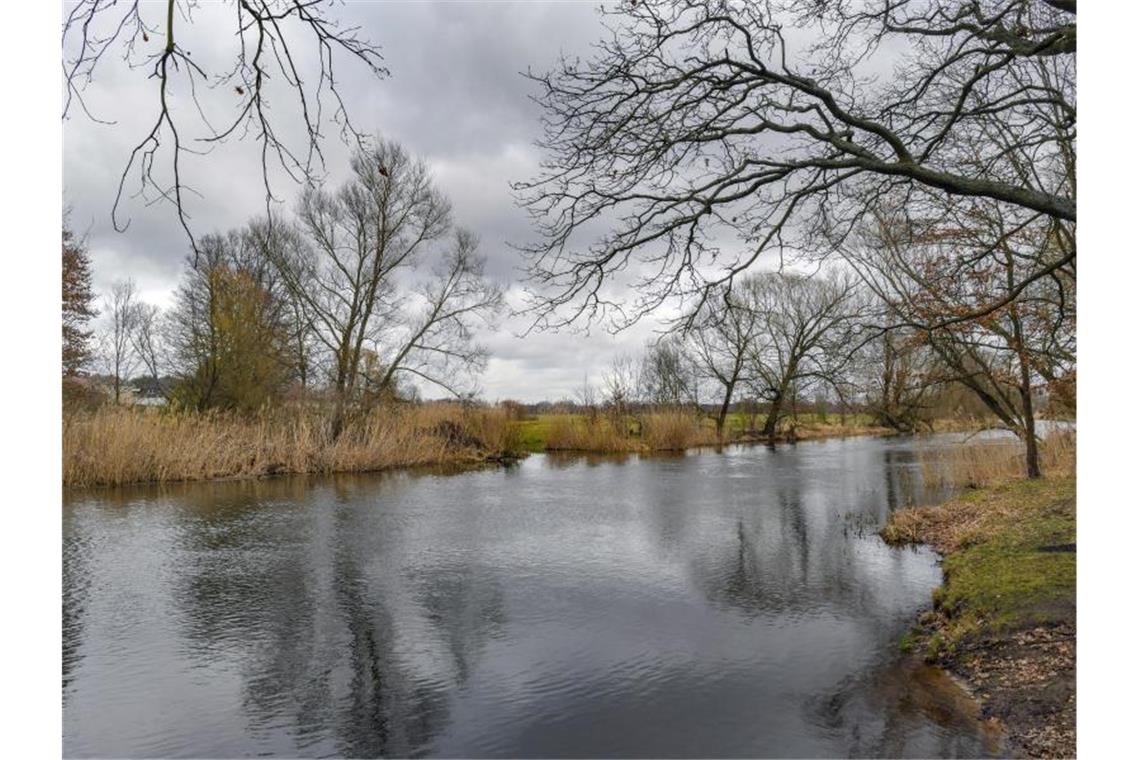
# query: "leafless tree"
808,325
728,331
621,390
119,356
360,243
437,344
586,397
147,340
899,377
775,126
934,273
668,374
264,66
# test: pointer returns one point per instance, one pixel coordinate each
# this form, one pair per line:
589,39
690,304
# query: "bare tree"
808,326
934,273
668,374
119,356
437,344
264,65
360,243
620,390
763,123
727,332
900,377
147,341
586,397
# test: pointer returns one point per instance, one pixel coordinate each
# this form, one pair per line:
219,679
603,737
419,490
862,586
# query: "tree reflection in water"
714,603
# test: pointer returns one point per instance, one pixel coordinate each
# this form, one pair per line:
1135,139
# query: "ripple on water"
731,604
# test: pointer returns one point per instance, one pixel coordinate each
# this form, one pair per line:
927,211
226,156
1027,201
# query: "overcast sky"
455,97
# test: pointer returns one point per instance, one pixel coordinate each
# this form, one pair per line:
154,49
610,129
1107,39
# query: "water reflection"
732,603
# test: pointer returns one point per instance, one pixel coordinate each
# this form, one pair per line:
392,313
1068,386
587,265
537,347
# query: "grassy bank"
114,446
669,430
1004,618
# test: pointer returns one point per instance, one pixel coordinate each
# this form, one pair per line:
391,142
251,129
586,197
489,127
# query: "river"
734,603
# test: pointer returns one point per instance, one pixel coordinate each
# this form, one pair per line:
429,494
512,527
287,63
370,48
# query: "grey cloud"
455,97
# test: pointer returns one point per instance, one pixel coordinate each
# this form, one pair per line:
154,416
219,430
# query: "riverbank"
112,446
670,430
117,446
1004,619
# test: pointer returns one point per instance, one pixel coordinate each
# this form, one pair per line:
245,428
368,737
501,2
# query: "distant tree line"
780,343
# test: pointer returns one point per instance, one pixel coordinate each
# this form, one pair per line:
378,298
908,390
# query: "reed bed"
983,463
664,430
676,430
574,433
811,430
114,446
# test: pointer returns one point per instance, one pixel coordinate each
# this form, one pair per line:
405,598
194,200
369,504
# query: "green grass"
533,432
1007,561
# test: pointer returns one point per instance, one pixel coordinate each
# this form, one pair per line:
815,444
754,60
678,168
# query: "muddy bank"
1025,683
1004,620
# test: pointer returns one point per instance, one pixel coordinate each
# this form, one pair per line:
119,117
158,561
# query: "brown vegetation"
113,446
78,305
974,465
674,429
664,430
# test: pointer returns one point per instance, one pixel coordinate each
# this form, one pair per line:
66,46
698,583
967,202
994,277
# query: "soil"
1026,681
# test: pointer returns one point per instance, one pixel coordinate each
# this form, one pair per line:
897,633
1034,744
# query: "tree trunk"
773,416
1032,460
340,388
723,413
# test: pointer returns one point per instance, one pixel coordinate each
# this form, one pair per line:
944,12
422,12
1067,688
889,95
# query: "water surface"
733,603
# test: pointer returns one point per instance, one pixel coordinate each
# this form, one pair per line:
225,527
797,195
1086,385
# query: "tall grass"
661,430
974,465
112,446
568,432
675,430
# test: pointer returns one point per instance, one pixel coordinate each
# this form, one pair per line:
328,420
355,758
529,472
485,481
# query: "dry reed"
113,446
662,430
978,464
675,430
597,433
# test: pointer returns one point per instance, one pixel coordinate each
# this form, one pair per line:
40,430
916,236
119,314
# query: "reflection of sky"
697,604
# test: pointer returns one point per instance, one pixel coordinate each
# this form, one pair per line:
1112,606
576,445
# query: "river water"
734,603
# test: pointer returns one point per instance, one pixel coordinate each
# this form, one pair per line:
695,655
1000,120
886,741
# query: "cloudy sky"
455,97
